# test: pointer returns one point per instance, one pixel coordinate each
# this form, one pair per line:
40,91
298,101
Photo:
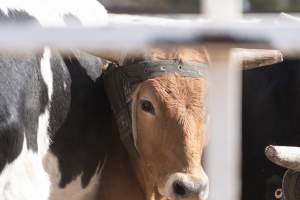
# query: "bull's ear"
254,58
288,157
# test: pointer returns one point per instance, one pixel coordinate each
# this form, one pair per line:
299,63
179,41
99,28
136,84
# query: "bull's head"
169,124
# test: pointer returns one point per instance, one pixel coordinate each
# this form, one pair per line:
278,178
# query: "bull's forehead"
179,94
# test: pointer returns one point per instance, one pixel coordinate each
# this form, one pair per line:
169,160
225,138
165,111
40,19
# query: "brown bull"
169,116
169,129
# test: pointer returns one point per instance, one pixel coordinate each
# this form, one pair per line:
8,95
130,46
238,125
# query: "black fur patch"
82,142
23,96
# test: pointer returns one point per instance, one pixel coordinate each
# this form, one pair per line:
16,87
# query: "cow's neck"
118,180
123,178
145,179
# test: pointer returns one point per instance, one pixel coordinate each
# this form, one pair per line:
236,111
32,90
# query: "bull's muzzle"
185,186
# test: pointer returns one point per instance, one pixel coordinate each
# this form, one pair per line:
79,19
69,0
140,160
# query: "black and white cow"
46,96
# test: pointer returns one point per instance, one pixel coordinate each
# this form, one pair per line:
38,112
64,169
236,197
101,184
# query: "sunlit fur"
172,140
183,54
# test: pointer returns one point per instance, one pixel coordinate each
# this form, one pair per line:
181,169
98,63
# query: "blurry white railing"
280,34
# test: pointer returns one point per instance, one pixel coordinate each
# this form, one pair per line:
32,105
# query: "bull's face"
169,130
168,115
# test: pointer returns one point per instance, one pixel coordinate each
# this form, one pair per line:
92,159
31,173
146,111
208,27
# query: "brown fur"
182,54
173,140
118,181
168,142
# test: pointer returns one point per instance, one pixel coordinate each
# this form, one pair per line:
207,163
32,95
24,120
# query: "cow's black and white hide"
26,88
44,97
54,13
79,147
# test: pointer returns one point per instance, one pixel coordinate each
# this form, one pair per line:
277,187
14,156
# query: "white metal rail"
284,36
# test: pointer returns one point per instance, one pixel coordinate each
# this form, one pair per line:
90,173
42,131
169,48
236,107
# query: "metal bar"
284,37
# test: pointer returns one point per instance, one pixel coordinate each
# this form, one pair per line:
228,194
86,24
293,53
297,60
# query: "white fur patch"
25,178
167,189
46,71
43,124
73,190
51,13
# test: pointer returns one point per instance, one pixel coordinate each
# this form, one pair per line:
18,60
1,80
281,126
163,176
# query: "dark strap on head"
142,71
120,81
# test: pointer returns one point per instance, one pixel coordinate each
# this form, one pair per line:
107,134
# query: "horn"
288,157
113,56
118,57
254,58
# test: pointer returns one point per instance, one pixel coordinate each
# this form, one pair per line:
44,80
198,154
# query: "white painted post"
222,10
224,149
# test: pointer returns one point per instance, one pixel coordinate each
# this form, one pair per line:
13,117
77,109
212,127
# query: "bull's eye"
147,106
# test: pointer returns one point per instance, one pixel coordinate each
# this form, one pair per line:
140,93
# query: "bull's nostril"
179,188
